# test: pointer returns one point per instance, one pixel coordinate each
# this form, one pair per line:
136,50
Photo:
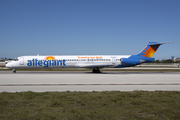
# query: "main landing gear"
96,70
14,70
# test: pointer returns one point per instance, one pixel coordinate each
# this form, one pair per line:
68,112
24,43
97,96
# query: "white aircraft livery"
94,62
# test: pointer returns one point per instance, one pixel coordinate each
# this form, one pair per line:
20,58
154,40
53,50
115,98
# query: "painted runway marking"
84,84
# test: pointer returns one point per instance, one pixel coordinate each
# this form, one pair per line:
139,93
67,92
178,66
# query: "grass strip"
113,105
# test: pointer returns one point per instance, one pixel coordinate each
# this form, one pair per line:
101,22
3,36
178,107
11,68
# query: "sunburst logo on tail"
150,50
50,58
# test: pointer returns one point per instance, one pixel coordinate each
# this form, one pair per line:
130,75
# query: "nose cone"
9,65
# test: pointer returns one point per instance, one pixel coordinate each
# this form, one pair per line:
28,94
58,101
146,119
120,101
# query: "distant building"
1,60
177,59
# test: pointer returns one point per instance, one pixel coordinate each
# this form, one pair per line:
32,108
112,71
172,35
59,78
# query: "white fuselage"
80,61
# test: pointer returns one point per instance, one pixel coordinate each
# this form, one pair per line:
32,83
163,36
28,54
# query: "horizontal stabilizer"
160,43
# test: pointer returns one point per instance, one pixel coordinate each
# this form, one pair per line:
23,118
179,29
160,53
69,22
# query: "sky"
88,27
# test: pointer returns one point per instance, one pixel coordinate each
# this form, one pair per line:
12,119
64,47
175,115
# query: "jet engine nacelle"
130,61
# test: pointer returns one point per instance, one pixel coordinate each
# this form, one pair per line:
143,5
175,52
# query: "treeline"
166,61
5,59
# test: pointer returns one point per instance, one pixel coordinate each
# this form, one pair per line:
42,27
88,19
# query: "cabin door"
21,61
113,60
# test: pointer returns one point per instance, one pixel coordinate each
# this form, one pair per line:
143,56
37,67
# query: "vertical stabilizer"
150,49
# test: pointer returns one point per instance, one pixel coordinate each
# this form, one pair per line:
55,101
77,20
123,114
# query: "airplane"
94,62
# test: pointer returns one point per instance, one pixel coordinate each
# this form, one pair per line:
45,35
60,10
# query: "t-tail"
142,57
150,49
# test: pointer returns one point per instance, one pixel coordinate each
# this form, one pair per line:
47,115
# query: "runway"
43,81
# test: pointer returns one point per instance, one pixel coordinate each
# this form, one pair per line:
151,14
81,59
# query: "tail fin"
150,49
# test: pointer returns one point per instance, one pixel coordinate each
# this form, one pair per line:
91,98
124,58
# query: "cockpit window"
15,59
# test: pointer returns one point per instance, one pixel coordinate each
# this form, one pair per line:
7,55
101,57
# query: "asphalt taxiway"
42,81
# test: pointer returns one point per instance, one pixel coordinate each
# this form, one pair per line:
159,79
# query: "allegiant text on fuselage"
46,63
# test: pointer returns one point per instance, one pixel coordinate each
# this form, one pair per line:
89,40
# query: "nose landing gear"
14,70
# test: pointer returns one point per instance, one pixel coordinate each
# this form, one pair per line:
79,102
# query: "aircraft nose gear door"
21,61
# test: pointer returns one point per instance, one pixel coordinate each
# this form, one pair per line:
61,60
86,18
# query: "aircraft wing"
94,65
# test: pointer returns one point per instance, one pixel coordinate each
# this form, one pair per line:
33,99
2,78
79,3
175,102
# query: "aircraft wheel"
14,70
96,71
